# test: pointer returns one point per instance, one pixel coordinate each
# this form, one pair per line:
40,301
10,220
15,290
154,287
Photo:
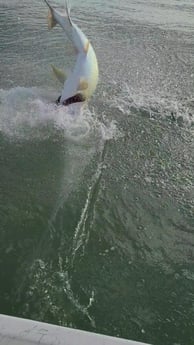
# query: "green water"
97,210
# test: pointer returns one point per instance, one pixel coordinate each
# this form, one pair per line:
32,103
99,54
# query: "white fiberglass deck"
16,331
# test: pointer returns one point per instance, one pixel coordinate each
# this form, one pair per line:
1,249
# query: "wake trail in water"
80,238
70,294
84,225
81,235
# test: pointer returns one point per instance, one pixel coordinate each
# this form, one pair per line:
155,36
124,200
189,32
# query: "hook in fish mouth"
74,99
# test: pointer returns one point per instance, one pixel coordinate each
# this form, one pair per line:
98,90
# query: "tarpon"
82,82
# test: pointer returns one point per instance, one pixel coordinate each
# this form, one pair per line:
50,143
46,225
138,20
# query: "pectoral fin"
83,85
59,74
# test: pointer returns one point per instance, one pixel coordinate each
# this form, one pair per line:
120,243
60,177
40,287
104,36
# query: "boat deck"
16,331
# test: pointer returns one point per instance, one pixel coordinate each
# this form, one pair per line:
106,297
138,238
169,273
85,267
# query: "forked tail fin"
63,19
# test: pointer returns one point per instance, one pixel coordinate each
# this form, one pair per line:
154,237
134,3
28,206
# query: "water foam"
154,106
22,111
27,113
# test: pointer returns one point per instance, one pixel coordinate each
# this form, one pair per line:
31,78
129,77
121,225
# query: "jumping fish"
81,83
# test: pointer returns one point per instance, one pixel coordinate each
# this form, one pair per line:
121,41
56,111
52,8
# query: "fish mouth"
78,98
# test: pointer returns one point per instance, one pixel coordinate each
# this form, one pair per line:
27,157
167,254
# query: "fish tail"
68,9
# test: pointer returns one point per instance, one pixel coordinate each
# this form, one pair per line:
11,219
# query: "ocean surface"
97,208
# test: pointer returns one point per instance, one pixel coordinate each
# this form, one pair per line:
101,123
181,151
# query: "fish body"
84,77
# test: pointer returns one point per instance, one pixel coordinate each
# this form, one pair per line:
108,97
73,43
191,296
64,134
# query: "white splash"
26,112
153,105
